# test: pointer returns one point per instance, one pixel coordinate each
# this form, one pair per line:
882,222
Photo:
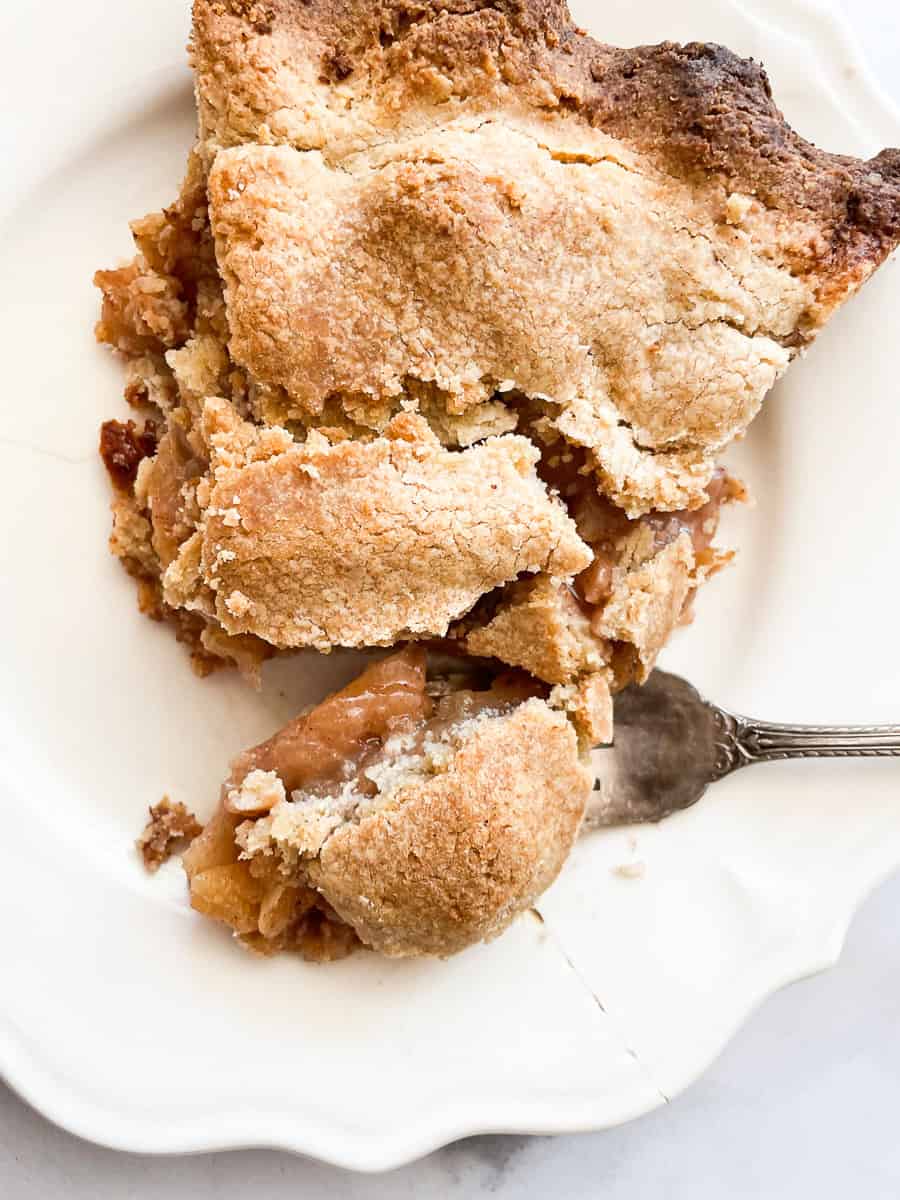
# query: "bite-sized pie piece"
491,200
363,543
418,817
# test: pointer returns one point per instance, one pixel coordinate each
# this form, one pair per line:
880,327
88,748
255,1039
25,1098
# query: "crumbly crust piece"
446,153
646,605
366,543
622,610
170,825
540,626
449,859
589,703
130,539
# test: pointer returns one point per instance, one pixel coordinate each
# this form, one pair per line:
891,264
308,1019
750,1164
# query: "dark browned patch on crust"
123,446
699,110
708,115
336,66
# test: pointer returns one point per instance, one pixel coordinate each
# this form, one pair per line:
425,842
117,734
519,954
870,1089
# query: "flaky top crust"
367,543
702,112
457,149
450,860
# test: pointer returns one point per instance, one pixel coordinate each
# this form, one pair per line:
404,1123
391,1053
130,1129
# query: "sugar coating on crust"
442,158
393,870
365,543
588,702
498,254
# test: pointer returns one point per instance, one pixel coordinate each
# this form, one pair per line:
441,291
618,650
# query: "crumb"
238,604
737,207
169,825
632,870
259,793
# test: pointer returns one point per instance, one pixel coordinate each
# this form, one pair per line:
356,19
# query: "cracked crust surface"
365,543
475,257
443,861
441,158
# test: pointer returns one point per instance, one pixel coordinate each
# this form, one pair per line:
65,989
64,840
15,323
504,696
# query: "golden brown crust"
700,110
457,148
367,543
450,860
540,627
655,343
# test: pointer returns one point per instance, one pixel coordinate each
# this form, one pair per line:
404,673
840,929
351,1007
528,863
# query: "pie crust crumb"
169,827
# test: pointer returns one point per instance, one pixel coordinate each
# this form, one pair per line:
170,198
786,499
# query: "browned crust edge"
700,110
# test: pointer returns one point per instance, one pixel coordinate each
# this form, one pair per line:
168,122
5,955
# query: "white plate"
130,1021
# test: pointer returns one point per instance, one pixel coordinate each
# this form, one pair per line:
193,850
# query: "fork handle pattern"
742,740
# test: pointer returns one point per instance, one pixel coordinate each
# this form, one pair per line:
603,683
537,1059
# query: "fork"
670,744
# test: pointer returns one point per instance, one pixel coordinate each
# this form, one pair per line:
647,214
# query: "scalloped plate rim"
33,1080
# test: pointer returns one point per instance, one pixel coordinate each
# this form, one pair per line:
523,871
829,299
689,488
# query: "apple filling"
607,529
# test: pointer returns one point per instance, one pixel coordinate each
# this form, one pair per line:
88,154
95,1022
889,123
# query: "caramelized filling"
348,734
122,447
605,527
323,745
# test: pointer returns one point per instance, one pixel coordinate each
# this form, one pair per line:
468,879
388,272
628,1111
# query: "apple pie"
441,343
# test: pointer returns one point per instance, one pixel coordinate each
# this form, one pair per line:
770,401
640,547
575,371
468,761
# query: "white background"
803,1103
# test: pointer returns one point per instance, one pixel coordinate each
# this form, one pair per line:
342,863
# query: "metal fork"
670,744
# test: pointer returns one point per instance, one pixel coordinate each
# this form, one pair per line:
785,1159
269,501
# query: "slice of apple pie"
442,341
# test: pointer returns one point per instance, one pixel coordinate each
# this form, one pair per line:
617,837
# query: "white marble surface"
801,1104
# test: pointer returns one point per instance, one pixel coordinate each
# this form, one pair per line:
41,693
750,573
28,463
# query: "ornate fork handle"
742,740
